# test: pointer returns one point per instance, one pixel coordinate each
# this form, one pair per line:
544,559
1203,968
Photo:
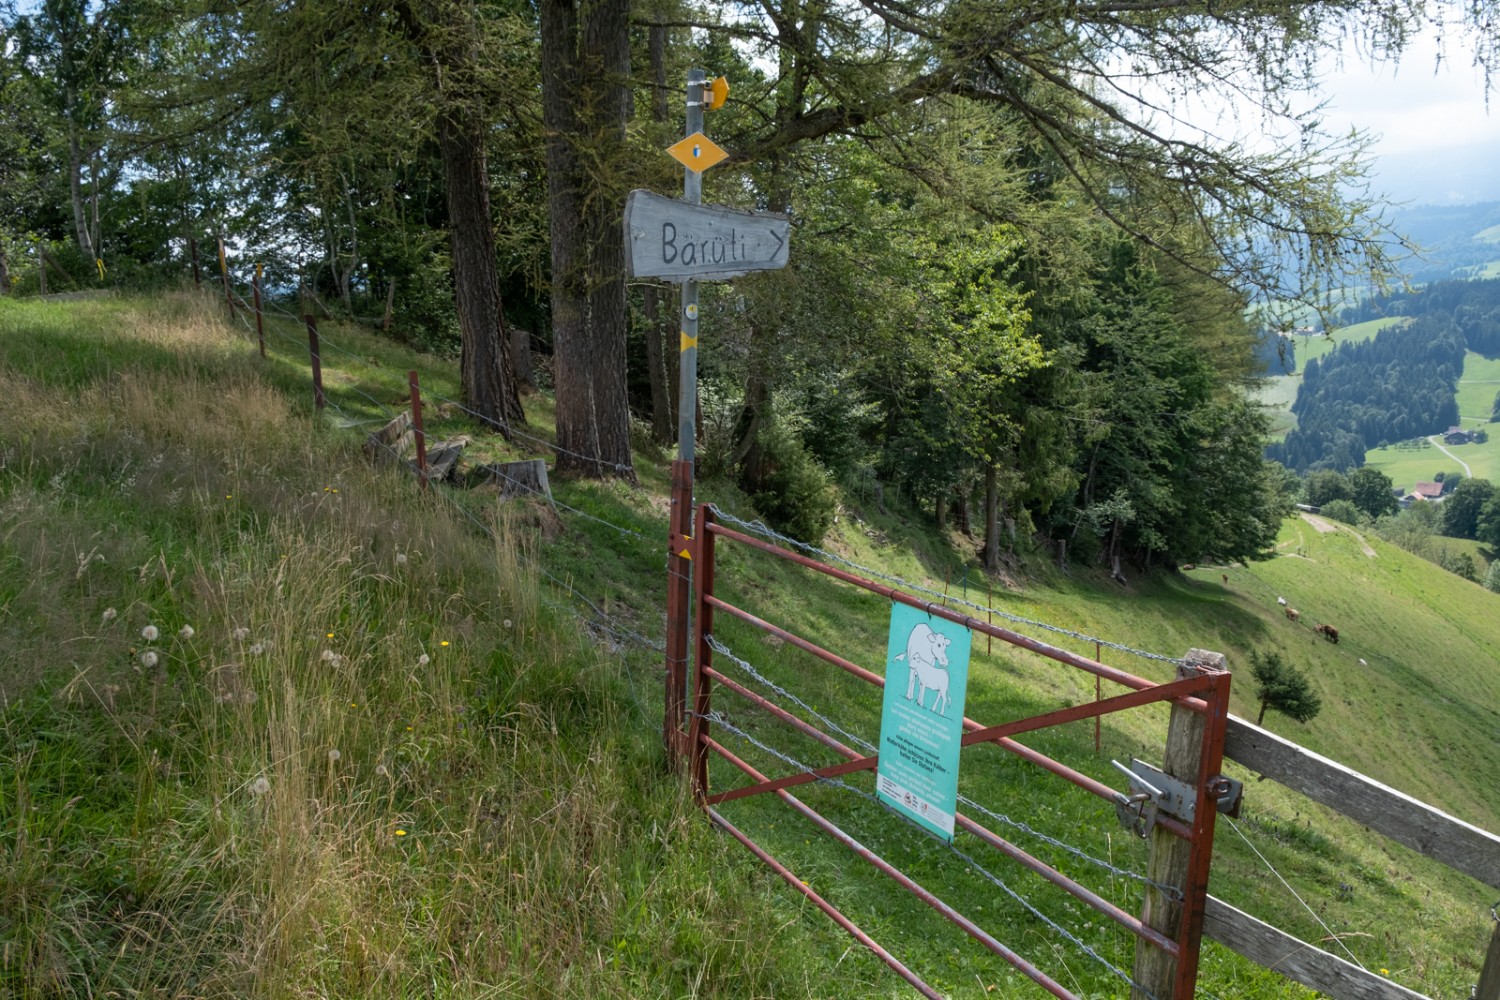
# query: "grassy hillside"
427,765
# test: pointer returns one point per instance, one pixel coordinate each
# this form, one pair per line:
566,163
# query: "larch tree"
585,54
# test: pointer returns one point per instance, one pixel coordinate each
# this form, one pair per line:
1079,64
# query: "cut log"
442,458
391,442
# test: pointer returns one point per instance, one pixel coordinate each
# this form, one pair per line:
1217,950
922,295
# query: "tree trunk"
940,509
991,518
488,377
75,189
4,274
585,63
1262,716
961,511
661,364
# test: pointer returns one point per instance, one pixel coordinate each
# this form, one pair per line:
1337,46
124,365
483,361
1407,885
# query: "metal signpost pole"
679,584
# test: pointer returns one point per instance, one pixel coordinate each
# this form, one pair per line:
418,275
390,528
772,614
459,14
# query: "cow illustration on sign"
927,657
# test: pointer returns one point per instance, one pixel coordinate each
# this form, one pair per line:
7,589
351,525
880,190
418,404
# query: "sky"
1439,144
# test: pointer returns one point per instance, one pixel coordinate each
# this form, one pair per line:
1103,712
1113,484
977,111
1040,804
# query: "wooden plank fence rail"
1459,845
1428,831
1297,960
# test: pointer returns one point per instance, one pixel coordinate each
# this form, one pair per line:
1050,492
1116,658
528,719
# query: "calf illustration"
925,650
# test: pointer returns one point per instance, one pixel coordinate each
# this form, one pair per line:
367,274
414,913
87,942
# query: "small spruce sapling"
1283,687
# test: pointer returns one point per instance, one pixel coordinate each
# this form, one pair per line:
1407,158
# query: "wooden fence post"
317,359
197,272
1489,979
416,423
41,271
224,273
1177,862
260,329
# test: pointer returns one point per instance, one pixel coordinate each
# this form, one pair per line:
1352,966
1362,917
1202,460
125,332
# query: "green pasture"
430,764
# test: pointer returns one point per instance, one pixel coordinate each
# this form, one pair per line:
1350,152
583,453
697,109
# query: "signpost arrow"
667,238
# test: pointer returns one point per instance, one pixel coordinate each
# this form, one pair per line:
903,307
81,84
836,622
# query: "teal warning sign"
922,721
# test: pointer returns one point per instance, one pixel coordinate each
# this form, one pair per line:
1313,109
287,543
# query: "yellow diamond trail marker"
689,341
697,152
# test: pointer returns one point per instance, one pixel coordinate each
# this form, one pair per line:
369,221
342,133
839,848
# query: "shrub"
1342,510
791,490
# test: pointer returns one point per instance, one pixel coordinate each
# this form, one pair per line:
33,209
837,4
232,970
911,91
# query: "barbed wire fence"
600,623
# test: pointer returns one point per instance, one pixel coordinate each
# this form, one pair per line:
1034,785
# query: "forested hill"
1400,385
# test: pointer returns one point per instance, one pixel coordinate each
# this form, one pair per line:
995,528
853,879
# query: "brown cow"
1328,632
1292,613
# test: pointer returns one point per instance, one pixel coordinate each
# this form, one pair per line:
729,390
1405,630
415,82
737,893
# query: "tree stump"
528,478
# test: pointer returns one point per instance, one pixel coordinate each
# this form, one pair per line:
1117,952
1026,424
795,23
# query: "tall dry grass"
277,724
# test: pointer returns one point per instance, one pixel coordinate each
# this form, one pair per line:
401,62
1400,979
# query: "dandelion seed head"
186,632
400,558
381,771
148,659
423,660
109,614
240,634
260,786
257,648
507,623
150,633
328,656
334,756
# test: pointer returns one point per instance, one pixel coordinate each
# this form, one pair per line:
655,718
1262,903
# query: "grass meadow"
279,724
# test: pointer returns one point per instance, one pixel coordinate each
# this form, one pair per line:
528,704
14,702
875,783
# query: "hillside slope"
495,818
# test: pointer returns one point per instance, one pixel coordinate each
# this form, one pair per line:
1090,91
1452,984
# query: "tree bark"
487,373
4,274
585,64
991,518
75,185
660,321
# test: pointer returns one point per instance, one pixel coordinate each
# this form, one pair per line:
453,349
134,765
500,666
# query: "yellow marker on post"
688,342
716,93
697,152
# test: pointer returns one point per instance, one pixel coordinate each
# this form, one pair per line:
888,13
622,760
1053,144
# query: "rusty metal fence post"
317,360
418,434
679,598
703,585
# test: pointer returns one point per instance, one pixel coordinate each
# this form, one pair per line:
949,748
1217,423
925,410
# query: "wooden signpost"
667,238
687,242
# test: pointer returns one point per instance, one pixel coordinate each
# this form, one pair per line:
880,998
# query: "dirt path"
1437,439
1323,526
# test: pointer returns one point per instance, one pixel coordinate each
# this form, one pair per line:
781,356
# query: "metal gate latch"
1152,790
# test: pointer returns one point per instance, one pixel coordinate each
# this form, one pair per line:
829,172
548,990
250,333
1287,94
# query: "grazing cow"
925,650
1281,601
1328,632
1292,614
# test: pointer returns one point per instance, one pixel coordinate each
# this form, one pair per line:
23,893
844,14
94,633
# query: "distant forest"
1400,385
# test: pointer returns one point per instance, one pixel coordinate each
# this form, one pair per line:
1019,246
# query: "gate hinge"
1153,791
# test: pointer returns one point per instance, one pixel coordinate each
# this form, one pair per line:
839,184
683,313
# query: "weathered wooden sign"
667,238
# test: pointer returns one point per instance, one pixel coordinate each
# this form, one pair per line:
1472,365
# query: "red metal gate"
1171,926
